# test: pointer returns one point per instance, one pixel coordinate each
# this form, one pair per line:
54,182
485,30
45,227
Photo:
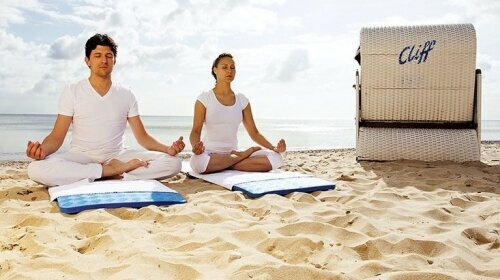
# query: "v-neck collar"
95,93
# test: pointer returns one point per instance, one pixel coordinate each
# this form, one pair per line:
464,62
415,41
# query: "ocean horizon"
308,134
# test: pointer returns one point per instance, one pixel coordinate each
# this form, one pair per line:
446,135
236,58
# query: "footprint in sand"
87,229
481,236
94,244
292,250
378,249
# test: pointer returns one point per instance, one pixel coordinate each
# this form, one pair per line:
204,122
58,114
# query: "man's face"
101,61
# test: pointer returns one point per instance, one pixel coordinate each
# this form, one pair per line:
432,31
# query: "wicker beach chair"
418,94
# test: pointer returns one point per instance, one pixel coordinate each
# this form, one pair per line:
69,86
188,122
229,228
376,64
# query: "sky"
294,59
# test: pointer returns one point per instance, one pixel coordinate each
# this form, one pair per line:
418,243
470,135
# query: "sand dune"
392,220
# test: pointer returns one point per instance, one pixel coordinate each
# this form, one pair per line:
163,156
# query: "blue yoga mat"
255,184
72,204
283,186
85,195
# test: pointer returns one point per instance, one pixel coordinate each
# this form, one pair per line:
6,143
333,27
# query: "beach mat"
256,184
283,186
85,195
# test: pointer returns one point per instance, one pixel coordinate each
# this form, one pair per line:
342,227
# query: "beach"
384,220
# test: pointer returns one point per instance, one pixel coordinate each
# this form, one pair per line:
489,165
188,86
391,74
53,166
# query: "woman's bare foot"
246,153
220,162
115,167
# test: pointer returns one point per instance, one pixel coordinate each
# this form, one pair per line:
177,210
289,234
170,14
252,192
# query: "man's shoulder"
79,83
72,88
122,88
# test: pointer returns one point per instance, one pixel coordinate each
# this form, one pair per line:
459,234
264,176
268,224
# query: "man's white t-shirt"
221,122
99,122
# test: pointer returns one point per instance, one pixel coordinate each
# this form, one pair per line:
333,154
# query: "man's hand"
34,150
176,147
198,148
281,147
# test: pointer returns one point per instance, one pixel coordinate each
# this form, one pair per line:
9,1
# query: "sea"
17,129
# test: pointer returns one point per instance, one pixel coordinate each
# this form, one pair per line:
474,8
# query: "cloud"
484,10
9,14
296,63
12,11
484,62
48,84
67,47
116,19
267,2
155,54
19,61
247,19
223,18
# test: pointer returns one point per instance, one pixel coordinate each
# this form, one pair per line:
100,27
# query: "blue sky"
294,60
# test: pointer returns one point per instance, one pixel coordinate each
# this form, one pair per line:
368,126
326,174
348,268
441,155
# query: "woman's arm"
198,120
256,136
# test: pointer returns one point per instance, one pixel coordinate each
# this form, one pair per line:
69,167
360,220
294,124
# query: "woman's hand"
281,147
198,148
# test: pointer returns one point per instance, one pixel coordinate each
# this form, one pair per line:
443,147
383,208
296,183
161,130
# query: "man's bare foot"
246,153
115,167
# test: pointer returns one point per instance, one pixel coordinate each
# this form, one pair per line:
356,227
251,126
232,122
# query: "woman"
222,111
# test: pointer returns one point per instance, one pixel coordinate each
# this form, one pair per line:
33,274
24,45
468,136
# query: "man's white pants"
73,166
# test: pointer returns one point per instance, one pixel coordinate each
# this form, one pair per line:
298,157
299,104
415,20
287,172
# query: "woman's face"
225,70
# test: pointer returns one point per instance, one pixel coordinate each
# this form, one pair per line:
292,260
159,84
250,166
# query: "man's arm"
149,142
52,142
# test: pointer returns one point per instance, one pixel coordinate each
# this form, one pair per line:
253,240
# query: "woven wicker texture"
418,73
418,144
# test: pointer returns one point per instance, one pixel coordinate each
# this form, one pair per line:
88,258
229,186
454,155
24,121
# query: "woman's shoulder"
242,100
205,93
205,96
241,96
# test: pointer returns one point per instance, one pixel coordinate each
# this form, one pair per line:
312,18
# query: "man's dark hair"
101,40
216,62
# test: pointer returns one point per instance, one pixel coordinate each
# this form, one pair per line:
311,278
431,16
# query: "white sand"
392,220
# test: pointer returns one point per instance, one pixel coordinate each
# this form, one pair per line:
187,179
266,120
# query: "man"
99,110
